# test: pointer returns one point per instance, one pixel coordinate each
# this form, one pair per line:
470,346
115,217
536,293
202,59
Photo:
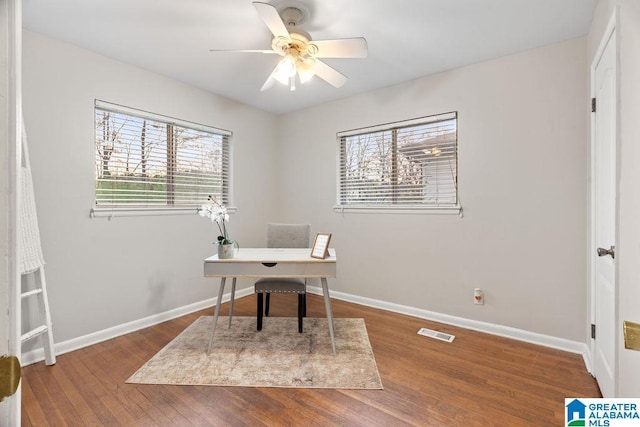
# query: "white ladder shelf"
40,291
32,261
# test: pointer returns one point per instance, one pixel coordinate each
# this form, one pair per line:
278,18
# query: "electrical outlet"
478,296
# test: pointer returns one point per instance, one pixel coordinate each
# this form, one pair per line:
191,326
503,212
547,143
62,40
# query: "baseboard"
37,355
489,328
586,356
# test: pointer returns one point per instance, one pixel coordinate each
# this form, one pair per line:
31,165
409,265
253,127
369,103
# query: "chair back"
288,235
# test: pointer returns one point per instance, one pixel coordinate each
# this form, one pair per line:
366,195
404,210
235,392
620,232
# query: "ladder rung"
34,333
31,293
40,288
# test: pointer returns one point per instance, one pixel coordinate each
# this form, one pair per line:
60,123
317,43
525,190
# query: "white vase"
226,251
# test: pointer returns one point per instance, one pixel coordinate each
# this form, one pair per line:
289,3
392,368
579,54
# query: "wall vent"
435,334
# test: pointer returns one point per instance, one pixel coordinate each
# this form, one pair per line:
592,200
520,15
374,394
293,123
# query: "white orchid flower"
217,213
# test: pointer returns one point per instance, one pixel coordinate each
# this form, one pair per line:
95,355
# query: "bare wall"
523,137
102,273
522,129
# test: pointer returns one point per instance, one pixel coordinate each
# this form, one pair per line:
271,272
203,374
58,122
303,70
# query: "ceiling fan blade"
328,74
271,80
270,16
244,50
341,48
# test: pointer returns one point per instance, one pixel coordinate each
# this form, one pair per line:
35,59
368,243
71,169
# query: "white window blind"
147,161
409,164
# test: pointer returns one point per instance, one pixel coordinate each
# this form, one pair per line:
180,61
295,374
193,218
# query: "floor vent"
435,334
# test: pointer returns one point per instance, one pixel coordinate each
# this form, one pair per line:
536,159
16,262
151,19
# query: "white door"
604,217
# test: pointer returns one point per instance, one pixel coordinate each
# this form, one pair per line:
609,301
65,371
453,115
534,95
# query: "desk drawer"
280,269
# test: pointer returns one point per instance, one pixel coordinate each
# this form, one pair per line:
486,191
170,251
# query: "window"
145,161
403,165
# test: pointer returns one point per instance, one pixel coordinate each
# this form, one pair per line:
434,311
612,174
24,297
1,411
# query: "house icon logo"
576,413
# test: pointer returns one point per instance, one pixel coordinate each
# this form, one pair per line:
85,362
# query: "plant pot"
227,251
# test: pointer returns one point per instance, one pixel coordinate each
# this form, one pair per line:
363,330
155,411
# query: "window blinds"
411,163
144,160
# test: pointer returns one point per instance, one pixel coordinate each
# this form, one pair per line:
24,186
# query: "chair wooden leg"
266,307
300,311
260,298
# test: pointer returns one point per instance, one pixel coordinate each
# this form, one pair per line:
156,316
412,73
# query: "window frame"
168,209
392,208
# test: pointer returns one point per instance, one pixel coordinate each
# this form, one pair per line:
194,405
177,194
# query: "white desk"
271,262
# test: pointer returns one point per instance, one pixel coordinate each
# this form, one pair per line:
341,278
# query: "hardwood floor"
478,380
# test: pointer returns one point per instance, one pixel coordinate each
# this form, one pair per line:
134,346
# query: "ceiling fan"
300,54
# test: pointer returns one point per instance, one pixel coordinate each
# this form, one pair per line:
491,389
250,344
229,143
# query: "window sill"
104,212
417,210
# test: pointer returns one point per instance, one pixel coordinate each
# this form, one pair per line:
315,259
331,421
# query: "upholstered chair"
284,236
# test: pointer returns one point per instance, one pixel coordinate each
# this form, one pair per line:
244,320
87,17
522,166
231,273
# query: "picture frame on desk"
320,247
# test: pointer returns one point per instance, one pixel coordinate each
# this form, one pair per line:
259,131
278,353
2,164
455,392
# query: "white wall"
628,249
523,139
103,273
523,136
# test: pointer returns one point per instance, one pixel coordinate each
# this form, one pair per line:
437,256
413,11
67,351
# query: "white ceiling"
407,38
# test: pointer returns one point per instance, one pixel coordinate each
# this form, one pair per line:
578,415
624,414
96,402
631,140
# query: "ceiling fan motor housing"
299,41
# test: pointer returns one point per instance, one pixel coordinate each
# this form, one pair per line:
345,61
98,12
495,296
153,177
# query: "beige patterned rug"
277,356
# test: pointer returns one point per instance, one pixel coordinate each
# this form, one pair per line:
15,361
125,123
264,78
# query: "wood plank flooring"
478,380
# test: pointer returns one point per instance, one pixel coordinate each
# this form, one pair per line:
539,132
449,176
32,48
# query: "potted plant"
218,214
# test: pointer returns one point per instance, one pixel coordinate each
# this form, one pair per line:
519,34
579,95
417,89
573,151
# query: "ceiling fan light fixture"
285,70
305,75
305,70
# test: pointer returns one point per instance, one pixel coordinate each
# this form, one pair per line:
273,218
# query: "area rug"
277,356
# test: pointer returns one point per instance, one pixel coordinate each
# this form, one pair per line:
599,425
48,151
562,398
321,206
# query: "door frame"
609,32
11,143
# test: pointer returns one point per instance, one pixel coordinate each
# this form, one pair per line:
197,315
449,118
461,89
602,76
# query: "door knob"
611,251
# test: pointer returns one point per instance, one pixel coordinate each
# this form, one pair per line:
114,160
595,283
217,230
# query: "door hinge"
593,105
593,331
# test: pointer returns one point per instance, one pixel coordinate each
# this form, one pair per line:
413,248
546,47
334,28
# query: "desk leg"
233,297
327,306
216,312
